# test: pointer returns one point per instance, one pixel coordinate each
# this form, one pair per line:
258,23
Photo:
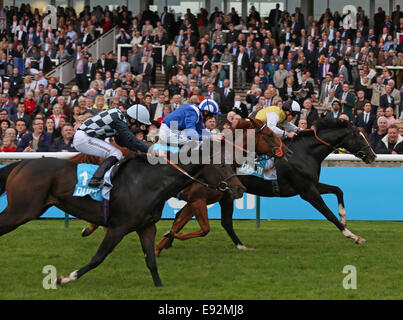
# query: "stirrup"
99,184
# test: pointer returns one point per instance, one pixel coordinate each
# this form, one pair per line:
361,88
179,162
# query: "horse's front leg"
147,239
198,209
227,210
312,195
182,217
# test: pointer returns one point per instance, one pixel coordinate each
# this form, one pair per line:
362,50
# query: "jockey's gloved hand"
217,137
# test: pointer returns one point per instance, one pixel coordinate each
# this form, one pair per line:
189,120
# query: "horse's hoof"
244,248
157,253
360,240
85,233
169,234
65,280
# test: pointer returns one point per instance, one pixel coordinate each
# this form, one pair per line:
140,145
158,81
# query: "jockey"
186,123
275,116
90,136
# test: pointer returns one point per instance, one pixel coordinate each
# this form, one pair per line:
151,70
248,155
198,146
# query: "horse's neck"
321,151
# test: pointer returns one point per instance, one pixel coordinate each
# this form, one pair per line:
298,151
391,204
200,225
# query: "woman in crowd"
166,110
57,114
30,103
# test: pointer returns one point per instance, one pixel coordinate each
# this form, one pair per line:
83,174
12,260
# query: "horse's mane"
323,123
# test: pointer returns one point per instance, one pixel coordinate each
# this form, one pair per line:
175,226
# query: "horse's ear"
242,124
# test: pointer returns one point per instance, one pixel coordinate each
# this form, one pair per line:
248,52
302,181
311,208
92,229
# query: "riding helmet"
209,106
292,106
139,113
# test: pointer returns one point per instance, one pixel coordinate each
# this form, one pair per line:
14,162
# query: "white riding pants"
94,146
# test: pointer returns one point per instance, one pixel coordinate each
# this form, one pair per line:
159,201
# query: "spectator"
386,100
64,143
8,145
167,110
392,143
365,119
347,100
211,124
227,97
30,104
36,141
389,116
335,110
21,127
309,113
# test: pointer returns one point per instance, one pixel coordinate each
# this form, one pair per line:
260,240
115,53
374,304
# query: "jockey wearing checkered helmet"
90,137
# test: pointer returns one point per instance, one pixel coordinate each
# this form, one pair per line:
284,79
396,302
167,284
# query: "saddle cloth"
85,171
264,169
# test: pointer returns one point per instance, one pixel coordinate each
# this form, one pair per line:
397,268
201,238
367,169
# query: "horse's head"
345,135
219,169
358,144
266,142
226,180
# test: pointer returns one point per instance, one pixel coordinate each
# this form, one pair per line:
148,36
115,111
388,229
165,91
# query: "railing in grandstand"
121,45
104,44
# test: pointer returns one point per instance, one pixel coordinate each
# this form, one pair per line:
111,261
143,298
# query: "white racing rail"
67,155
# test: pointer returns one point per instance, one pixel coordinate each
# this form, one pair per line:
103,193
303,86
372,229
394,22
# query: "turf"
292,260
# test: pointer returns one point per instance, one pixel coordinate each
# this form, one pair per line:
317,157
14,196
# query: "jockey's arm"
272,121
126,138
289,126
194,127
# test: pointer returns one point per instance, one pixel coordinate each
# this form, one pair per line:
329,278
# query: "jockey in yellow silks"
276,118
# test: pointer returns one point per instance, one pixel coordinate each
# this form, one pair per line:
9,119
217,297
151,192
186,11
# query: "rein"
221,186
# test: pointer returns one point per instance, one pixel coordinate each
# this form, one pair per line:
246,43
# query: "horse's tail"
4,173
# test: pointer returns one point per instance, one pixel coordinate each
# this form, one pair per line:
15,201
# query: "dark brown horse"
137,199
298,176
265,143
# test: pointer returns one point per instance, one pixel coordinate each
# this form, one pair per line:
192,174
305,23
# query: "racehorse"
298,176
137,198
265,143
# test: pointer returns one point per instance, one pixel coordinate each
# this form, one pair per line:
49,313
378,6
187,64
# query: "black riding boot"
97,179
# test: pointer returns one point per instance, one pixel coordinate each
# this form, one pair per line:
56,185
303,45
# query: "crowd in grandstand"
340,66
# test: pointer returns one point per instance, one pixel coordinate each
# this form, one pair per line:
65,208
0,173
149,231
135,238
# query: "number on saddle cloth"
85,171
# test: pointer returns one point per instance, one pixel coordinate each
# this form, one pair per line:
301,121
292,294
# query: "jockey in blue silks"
186,123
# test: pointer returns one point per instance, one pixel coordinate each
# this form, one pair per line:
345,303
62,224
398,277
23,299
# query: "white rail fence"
67,155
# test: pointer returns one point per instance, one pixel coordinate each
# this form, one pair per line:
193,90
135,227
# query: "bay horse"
298,176
137,199
266,142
